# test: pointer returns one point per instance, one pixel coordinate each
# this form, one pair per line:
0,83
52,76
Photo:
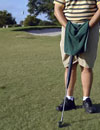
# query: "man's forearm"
95,19
58,12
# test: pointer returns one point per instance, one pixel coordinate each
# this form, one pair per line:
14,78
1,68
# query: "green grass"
32,85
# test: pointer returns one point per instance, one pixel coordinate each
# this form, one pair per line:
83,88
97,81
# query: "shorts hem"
86,66
67,65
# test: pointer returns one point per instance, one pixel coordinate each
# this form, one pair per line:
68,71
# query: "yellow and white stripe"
79,10
59,2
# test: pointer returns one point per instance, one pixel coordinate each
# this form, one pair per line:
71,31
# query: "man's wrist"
90,24
65,25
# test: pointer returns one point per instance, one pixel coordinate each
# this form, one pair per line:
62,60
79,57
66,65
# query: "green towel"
76,36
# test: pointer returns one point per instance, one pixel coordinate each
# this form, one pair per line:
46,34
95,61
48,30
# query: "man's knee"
86,70
74,67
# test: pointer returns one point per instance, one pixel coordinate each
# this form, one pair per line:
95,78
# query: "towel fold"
76,36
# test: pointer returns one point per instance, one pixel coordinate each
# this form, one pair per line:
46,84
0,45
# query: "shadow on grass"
97,111
83,120
65,125
97,107
2,87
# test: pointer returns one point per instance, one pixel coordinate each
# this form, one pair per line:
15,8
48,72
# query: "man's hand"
96,18
58,12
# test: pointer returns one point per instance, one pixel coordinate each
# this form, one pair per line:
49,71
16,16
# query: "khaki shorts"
86,59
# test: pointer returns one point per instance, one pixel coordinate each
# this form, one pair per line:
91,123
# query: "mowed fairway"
32,85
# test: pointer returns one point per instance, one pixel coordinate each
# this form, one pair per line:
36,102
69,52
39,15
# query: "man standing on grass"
79,12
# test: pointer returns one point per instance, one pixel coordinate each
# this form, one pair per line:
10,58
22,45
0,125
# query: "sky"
16,8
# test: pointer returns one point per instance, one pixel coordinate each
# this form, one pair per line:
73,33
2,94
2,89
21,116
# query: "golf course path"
46,32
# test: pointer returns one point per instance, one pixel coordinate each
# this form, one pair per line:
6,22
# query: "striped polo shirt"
79,11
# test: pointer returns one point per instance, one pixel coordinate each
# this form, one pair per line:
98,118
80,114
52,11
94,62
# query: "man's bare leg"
87,79
72,79
69,104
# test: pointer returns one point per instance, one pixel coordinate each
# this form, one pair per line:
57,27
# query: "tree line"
35,8
6,19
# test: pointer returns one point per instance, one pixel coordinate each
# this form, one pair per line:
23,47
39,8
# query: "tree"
37,7
31,21
6,19
21,22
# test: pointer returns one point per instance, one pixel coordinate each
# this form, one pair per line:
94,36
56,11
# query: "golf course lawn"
32,85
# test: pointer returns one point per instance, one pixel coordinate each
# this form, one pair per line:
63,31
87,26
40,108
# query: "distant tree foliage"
36,7
45,23
31,21
6,19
